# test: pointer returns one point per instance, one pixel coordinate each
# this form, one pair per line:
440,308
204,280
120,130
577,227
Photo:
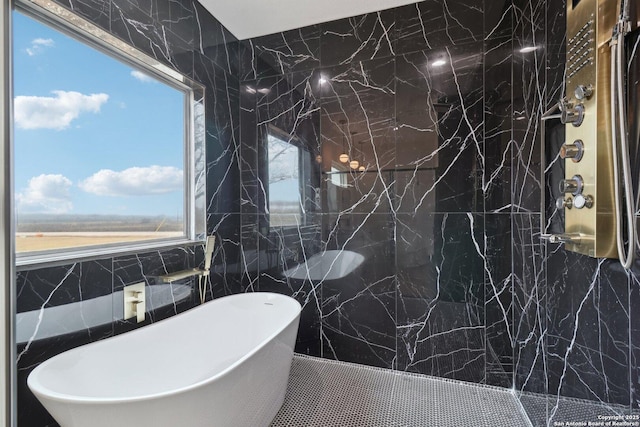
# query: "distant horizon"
90,215
97,223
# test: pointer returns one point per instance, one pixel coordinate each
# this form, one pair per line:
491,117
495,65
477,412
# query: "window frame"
194,155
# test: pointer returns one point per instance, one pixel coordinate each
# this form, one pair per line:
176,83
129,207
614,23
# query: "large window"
107,146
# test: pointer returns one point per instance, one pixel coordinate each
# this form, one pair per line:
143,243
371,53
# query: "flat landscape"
48,232
29,242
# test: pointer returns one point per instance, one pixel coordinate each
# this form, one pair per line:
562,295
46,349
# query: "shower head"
208,252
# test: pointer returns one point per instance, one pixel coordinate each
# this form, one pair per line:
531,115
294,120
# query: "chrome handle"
583,92
571,114
572,151
562,203
573,185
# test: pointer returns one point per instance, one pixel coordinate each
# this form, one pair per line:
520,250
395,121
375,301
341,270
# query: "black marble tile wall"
498,299
399,271
441,320
425,256
440,103
432,24
530,305
498,113
184,36
280,53
574,322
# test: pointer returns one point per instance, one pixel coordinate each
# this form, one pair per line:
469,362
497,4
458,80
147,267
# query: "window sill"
54,258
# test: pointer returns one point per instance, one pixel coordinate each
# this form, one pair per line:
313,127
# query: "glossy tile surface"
402,93
440,107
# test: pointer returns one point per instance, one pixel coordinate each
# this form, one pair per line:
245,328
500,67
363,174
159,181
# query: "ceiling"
252,18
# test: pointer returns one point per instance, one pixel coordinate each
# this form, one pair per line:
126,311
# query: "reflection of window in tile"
338,177
285,182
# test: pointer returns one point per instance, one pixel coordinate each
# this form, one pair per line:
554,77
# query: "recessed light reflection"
322,80
528,49
438,63
252,90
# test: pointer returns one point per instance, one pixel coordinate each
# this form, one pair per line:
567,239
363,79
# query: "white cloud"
38,46
144,78
43,42
46,194
136,181
42,112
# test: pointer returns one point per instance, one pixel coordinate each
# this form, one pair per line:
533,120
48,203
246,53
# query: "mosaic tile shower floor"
325,393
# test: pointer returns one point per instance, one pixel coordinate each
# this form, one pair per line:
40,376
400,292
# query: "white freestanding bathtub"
224,363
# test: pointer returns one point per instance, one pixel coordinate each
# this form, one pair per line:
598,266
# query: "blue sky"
91,135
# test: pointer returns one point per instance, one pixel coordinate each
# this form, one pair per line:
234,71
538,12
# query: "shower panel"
591,115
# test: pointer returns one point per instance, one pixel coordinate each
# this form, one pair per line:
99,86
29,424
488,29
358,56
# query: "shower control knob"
581,201
562,203
573,185
573,115
583,92
572,151
565,104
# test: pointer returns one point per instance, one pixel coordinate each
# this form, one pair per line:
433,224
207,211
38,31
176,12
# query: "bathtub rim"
40,389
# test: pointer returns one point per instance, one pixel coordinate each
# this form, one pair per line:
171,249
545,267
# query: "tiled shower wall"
456,281
184,36
577,334
431,213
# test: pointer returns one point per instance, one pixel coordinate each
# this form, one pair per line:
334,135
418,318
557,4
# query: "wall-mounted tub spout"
179,275
184,274
201,273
